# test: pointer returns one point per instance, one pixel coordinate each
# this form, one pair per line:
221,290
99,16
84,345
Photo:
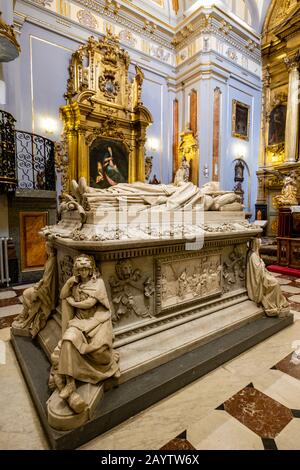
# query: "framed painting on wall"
108,163
240,120
277,123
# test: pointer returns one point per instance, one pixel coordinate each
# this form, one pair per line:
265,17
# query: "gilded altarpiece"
105,121
279,155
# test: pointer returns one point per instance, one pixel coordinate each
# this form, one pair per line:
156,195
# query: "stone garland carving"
65,269
40,300
234,270
131,291
85,352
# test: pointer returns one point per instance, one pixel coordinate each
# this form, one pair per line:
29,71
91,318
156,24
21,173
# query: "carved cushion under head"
212,186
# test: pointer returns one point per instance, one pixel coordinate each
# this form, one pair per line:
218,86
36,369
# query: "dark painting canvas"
108,163
277,125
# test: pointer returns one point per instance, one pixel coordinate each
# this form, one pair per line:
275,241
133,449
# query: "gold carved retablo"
104,119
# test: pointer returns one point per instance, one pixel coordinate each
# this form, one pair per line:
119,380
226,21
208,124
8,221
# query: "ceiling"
251,12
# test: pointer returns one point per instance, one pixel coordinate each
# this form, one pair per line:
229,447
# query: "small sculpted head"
84,267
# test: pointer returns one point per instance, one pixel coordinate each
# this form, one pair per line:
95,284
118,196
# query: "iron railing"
35,162
8,180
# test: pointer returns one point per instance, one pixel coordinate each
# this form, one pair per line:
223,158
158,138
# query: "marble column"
292,119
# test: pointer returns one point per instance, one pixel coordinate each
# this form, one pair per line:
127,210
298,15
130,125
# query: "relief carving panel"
234,268
191,278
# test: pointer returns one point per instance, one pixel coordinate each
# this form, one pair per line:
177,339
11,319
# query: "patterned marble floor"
250,403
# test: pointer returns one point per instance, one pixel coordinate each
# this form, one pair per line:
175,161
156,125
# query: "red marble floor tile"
285,365
178,444
8,302
5,322
295,306
260,413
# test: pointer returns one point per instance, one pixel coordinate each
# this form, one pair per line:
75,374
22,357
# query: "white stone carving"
39,301
85,353
86,18
131,291
127,37
188,279
263,287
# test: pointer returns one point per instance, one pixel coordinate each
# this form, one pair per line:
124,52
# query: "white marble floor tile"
10,310
161,423
283,281
281,387
9,294
291,289
296,315
220,431
295,298
22,286
4,334
289,438
20,427
266,354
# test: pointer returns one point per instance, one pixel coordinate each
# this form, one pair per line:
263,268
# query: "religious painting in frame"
108,163
277,123
240,120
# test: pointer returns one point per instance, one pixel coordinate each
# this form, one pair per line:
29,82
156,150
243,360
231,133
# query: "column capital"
292,62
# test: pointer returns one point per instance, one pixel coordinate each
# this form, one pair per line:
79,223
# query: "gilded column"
292,119
73,153
266,99
83,157
141,158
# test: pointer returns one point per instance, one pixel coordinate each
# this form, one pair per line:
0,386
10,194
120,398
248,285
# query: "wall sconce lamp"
49,125
153,144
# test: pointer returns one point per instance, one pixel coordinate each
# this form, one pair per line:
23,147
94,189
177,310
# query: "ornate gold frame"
102,102
236,103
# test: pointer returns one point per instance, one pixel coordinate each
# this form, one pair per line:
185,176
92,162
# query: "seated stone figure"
40,300
263,288
85,352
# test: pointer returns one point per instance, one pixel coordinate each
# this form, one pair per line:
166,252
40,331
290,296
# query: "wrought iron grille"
8,179
35,162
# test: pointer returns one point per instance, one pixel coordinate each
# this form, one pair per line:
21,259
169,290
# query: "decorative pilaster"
175,135
292,119
216,134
